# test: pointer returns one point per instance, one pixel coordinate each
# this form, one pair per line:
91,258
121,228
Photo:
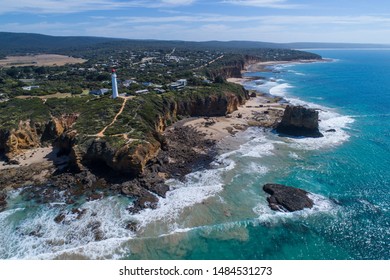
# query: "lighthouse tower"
114,85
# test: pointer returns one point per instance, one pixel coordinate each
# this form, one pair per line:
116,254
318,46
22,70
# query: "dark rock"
37,232
79,212
86,178
147,200
13,162
331,130
253,94
299,121
60,218
94,226
132,226
3,201
284,198
95,196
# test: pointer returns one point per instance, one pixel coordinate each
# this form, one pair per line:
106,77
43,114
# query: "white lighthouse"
114,85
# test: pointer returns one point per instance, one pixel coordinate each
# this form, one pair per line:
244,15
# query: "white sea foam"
39,236
294,156
328,120
280,89
257,145
265,85
196,188
322,205
257,169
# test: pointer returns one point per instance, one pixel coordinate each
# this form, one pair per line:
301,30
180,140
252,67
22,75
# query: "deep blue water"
222,213
356,173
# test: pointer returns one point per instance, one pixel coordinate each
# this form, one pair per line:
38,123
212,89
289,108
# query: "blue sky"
355,21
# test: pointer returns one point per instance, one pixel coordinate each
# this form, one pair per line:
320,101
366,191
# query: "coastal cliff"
130,143
29,134
129,155
299,121
233,65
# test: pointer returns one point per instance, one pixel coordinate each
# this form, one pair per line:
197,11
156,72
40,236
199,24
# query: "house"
30,87
142,91
182,82
99,91
147,84
159,90
179,84
127,83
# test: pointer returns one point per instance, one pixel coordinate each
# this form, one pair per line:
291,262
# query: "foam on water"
322,205
257,145
280,90
329,120
33,233
257,169
196,187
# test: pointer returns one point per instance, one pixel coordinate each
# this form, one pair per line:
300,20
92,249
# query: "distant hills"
22,43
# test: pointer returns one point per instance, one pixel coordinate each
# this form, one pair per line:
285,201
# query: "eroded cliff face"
30,135
234,68
211,106
299,121
132,157
120,152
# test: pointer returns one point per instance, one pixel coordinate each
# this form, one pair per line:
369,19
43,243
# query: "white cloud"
288,21
74,6
276,4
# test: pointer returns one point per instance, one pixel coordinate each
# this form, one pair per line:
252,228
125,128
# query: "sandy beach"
257,111
45,156
264,66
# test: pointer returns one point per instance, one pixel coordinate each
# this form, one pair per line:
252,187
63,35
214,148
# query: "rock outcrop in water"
284,198
299,121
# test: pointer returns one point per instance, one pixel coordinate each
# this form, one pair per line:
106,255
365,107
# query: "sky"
280,21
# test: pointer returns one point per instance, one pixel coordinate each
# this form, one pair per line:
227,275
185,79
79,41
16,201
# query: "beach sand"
46,156
217,128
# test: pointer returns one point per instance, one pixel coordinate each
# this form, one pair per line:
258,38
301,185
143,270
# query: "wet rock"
60,218
94,226
95,196
3,201
79,213
154,183
299,121
132,226
86,178
284,198
331,130
13,162
147,200
37,232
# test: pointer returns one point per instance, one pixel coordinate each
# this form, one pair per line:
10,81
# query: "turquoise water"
222,213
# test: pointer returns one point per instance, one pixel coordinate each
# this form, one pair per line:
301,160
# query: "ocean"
222,212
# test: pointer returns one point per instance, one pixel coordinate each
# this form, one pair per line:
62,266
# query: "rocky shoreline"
185,147
185,150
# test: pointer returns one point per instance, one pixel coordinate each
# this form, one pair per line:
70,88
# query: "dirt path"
208,63
101,133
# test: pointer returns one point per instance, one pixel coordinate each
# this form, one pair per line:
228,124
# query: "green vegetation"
141,65
16,110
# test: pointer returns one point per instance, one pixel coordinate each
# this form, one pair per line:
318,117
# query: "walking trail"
101,133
